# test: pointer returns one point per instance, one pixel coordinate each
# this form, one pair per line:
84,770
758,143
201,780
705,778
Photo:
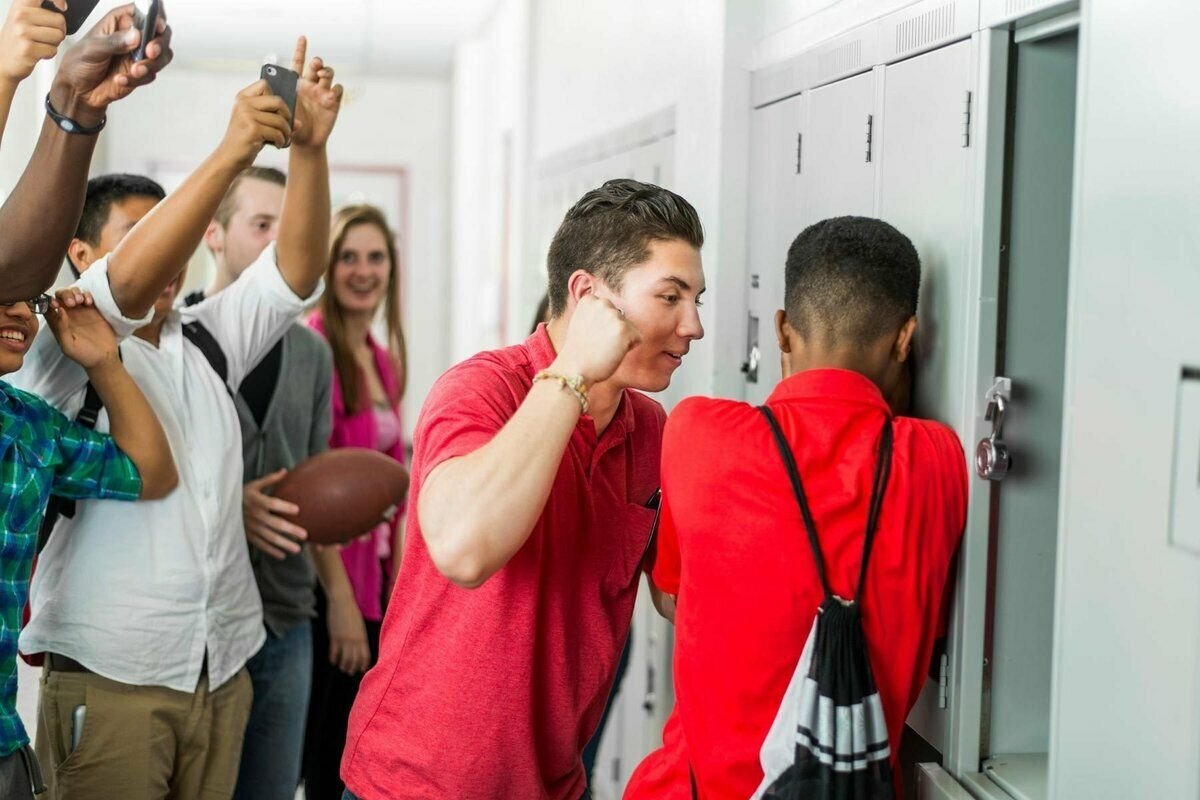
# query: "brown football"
343,493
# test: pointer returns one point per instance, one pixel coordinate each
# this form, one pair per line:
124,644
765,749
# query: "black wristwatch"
71,126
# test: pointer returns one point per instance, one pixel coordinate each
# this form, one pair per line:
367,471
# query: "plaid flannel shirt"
41,452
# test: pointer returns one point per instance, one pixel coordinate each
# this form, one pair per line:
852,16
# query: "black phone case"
282,82
76,14
146,23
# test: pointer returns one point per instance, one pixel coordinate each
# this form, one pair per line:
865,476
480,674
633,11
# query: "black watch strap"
71,126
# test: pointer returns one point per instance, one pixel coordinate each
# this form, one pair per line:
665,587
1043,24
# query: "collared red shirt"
492,693
141,593
733,548
41,451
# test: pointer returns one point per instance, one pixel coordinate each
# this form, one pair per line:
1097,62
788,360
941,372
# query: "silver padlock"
992,460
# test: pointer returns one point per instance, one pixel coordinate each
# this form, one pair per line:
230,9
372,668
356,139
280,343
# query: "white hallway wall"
386,123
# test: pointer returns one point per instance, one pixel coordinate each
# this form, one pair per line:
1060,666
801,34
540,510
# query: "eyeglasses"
38,305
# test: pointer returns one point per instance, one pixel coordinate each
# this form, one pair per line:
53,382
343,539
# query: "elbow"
159,482
460,561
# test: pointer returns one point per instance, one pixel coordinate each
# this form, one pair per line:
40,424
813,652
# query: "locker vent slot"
844,58
1019,6
927,28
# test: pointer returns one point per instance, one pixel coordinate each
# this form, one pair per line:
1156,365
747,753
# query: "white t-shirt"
139,592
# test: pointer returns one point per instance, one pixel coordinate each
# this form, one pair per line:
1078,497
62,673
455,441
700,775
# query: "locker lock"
992,460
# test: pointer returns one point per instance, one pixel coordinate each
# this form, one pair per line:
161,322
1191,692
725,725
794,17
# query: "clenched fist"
598,338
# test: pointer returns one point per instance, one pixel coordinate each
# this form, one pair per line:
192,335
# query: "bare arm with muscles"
86,338
477,511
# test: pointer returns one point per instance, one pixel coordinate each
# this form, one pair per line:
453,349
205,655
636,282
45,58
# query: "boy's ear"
783,331
214,237
81,255
904,340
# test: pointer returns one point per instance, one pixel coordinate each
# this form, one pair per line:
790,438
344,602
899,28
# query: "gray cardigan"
297,425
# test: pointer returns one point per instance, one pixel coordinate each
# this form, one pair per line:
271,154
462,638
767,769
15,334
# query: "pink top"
378,431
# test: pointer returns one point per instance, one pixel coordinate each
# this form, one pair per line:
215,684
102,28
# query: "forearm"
331,572
303,243
477,511
158,248
135,428
8,90
40,216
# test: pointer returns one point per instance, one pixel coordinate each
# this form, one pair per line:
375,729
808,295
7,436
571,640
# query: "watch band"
71,126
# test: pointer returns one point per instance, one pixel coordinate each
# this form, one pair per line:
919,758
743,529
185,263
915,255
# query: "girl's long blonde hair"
349,375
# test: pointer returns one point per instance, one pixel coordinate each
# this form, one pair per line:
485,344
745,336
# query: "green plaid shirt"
41,452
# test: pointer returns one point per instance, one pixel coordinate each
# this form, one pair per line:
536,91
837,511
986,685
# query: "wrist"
69,103
104,370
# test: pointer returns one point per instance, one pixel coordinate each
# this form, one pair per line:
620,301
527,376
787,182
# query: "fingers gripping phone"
77,12
282,83
145,19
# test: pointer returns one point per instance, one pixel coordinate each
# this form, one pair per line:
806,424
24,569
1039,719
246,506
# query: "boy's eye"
699,303
671,298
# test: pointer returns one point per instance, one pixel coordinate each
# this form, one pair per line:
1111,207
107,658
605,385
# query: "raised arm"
303,244
477,511
39,217
86,338
30,34
158,247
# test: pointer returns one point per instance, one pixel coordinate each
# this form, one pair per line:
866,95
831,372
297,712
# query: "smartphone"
77,12
78,716
145,19
282,82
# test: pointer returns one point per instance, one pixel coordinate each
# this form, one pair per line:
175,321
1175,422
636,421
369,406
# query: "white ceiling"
393,37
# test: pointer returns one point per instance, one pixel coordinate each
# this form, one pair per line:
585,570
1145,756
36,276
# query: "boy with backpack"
807,544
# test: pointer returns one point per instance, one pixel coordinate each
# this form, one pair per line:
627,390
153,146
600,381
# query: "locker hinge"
966,131
799,150
944,682
870,129
616,770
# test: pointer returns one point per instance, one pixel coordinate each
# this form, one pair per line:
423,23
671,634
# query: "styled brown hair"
610,229
229,201
349,374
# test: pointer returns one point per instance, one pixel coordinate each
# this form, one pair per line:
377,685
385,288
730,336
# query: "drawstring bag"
829,740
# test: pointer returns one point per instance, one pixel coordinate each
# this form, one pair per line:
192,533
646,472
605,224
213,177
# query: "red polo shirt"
494,692
732,546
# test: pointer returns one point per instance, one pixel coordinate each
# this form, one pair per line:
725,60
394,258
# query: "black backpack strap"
202,337
789,462
883,471
883,468
61,506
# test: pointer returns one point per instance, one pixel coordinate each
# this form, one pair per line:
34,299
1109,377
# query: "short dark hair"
102,192
609,230
850,280
229,201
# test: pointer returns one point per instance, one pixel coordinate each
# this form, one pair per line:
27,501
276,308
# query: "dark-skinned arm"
40,216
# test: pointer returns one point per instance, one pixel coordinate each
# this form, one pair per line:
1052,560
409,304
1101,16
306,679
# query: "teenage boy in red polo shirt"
531,473
732,546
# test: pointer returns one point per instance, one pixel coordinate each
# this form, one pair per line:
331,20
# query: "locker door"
839,165
775,217
925,190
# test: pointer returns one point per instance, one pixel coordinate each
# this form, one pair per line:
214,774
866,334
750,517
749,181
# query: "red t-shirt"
732,547
494,692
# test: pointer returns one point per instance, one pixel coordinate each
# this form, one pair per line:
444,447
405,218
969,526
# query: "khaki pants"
141,742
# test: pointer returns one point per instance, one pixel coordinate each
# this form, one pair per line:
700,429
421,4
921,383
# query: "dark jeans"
593,746
333,693
281,673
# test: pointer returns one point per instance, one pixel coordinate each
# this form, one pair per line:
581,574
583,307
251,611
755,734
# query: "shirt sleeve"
92,466
666,570
465,409
95,280
249,317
